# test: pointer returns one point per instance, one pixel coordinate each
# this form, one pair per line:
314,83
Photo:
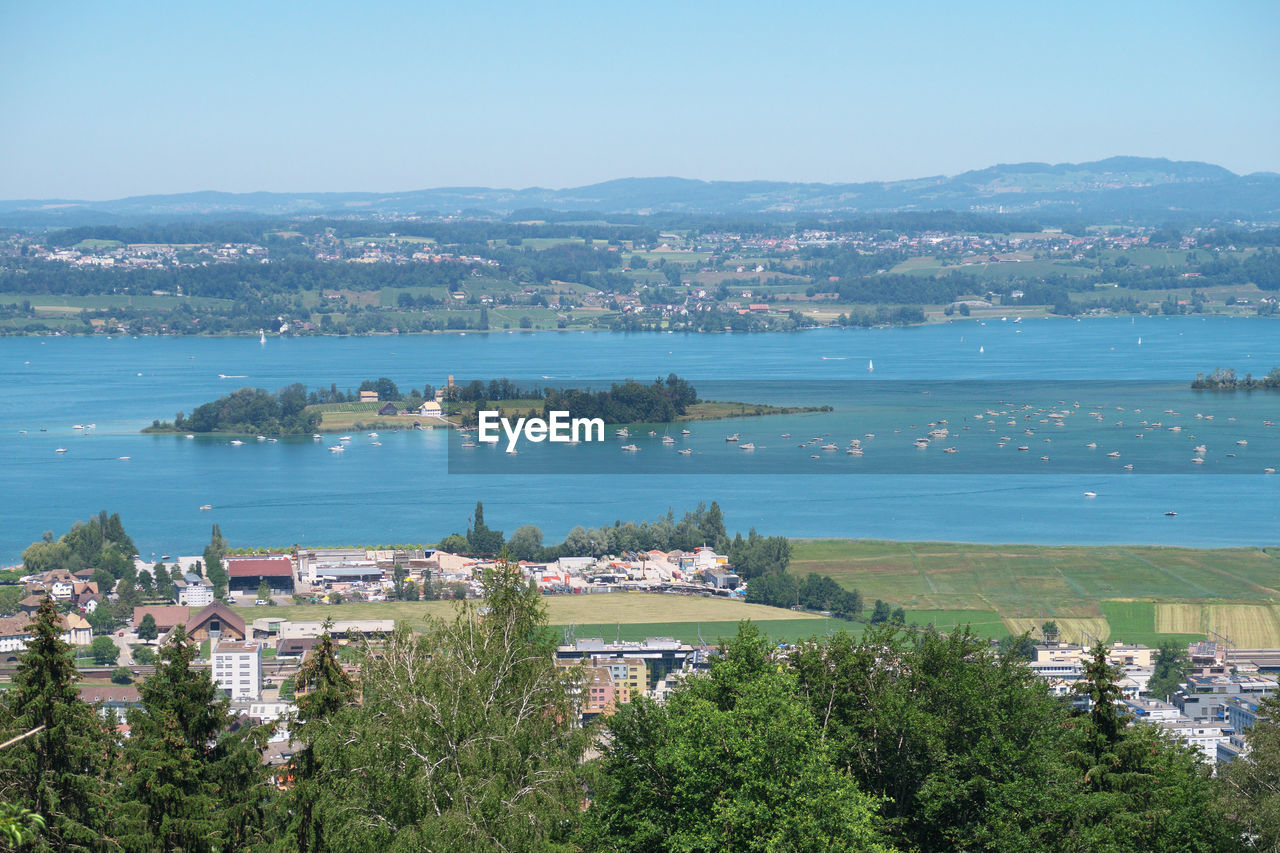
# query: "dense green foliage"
462,741
98,543
732,761
61,773
1226,380
1251,785
628,402
464,738
251,411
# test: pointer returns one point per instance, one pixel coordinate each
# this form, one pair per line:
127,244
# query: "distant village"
253,661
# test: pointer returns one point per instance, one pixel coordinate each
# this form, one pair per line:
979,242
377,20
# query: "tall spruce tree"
323,688
60,772
192,784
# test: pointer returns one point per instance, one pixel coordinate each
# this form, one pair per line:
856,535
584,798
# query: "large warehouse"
245,574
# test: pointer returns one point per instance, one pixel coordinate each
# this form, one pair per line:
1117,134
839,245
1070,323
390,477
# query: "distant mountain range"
1117,188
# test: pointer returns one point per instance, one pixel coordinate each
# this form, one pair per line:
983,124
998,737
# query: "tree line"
1224,379
465,737
628,402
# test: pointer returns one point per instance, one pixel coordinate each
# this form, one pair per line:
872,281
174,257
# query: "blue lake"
402,491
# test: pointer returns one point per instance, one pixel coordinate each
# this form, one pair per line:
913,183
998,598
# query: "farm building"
246,574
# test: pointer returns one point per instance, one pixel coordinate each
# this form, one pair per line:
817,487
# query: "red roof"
260,567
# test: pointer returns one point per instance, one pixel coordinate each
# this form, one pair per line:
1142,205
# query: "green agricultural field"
712,633
60,302
608,609
1135,594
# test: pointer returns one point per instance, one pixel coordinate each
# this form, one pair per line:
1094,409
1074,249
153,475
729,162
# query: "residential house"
215,622
388,409
194,590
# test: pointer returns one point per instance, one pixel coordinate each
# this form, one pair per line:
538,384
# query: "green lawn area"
1097,589
56,302
778,630
606,609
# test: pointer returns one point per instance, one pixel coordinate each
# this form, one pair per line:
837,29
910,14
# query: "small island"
1224,379
380,404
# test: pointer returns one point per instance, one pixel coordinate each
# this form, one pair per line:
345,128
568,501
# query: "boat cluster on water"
1035,426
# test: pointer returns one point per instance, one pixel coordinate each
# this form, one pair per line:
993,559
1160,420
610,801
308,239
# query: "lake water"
403,490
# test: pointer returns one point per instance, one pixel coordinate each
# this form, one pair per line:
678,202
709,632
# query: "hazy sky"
102,100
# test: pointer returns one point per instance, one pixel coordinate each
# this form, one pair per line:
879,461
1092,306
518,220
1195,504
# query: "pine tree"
192,784
323,687
58,773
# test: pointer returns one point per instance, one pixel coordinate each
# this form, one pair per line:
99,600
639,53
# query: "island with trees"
293,410
1225,379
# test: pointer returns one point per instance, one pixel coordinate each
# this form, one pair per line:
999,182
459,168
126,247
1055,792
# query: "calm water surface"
297,492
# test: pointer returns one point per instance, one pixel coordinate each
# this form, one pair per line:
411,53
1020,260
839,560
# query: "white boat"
344,438
630,448
468,444
733,437
376,443
189,435
685,452
262,336
870,366
315,436
1197,460
746,446
666,439
337,448
373,435
78,426
272,440
60,450
123,458
1115,454
262,438
206,507
981,350
686,432
622,433
235,442
1090,494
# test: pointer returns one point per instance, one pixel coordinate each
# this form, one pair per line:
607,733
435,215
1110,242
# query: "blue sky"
102,100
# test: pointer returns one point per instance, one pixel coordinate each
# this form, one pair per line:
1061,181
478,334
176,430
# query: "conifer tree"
192,783
323,688
58,773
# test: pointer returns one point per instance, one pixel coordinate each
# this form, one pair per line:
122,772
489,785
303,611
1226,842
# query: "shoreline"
933,317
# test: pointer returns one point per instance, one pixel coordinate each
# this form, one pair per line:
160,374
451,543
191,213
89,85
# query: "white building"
194,591
237,669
